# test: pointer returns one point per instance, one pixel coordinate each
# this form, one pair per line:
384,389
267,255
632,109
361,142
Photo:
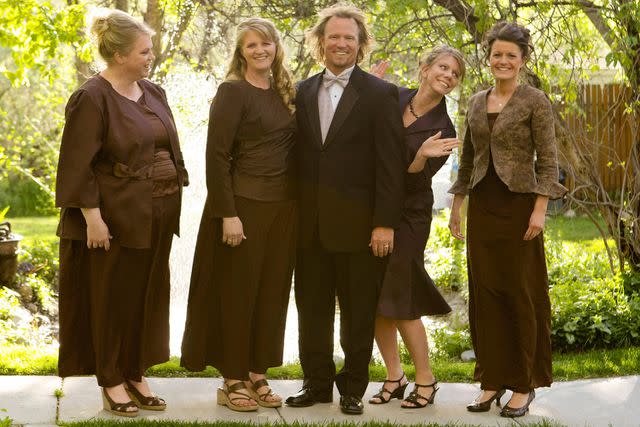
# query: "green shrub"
591,308
42,259
25,197
445,256
631,282
38,270
449,343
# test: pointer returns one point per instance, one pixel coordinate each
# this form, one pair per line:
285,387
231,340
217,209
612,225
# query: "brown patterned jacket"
522,144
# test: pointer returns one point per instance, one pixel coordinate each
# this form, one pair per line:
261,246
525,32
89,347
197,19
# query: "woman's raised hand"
232,233
435,146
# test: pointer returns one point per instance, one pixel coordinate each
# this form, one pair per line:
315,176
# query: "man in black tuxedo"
350,159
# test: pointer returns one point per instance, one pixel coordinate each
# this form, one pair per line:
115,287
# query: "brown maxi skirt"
509,309
239,296
114,305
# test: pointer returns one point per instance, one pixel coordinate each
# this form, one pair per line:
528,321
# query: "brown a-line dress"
509,308
114,305
407,290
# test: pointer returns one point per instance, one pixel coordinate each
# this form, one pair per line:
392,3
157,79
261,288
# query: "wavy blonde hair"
281,75
340,10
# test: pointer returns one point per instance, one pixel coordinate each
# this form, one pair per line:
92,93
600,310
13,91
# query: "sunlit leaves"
34,31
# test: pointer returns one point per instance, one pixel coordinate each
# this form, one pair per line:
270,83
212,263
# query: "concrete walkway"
31,400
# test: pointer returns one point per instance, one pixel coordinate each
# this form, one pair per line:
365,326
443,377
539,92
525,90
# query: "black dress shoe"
510,412
351,405
307,397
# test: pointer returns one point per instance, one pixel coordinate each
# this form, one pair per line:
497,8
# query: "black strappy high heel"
398,393
414,396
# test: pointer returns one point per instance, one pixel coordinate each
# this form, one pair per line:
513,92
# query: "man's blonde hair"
340,10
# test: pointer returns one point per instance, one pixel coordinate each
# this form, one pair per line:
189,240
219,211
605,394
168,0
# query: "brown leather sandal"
121,409
225,400
150,403
262,398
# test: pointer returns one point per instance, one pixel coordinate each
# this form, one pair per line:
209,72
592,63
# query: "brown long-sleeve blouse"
107,158
249,142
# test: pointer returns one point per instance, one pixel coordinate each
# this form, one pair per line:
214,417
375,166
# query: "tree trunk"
122,5
154,17
186,12
83,69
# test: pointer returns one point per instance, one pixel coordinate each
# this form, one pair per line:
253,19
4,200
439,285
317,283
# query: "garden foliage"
29,307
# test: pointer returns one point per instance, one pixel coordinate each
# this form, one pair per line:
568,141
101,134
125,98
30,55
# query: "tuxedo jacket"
354,181
522,145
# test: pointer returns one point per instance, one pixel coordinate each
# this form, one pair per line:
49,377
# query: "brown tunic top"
106,161
251,134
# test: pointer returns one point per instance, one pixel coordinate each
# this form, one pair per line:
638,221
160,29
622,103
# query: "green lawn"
577,229
35,228
21,360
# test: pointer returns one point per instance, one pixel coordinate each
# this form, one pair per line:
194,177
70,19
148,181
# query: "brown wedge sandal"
150,403
262,398
121,409
225,400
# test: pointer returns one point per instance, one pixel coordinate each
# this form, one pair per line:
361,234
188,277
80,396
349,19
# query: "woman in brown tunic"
407,290
119,182
246,244
509,169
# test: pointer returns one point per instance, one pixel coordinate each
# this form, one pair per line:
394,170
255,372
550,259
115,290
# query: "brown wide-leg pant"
114,305
239,296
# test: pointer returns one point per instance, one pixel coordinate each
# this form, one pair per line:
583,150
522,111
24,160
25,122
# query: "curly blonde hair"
340,10
281,75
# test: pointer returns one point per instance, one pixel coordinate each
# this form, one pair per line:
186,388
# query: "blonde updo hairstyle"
430,56
116,32
280,74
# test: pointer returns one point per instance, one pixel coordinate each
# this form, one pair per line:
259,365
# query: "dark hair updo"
508,32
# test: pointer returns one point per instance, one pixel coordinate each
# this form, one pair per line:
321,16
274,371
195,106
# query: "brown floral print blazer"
522,144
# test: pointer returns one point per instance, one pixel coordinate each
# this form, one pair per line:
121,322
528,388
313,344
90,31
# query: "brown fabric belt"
163,167
120,170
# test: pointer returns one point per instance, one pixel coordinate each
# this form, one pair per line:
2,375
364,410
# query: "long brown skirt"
509,309
238,297
114,305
